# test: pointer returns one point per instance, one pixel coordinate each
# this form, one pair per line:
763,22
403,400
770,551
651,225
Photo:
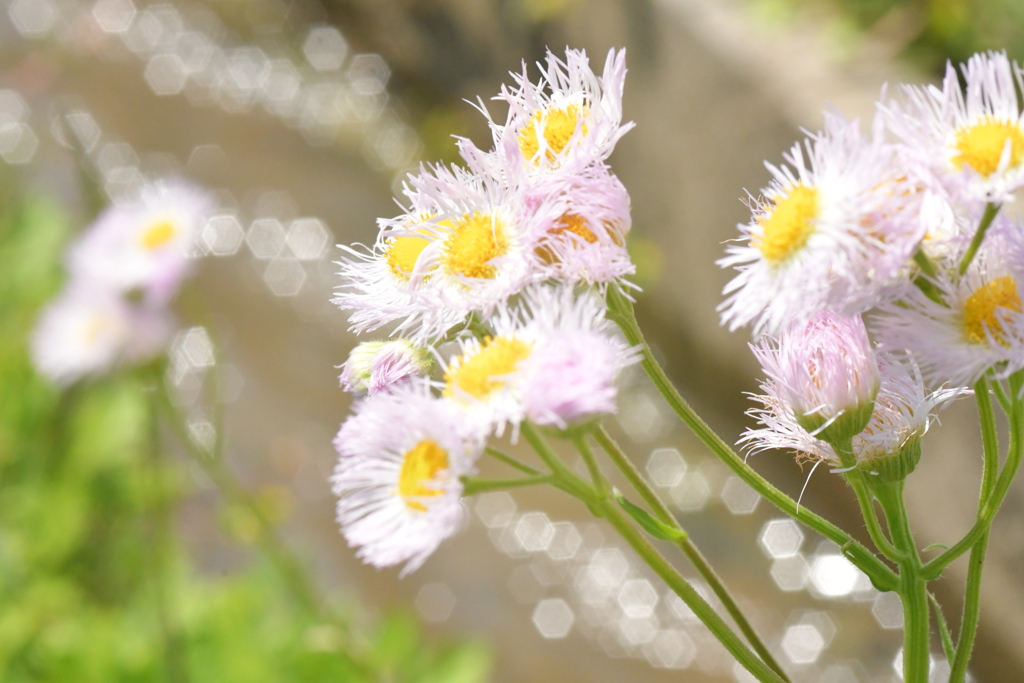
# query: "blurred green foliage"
929,31
95,583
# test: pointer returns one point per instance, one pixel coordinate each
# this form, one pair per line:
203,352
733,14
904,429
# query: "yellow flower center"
981,146
158,234
982,306
483,373
420,466
790,224
577,225
403,252
473,242
556,126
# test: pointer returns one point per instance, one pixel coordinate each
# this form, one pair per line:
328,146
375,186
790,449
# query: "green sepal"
653,526
843,428
895,467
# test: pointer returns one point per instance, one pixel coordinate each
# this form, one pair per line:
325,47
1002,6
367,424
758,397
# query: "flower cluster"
900,230
492,280
123,271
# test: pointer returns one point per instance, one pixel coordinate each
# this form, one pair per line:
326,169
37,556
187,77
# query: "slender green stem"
972,612
693,554
621,311
989,490
1001,396
913,588
511,462
600,483
867,510
947,640
989,441
986,220
736,647
160,547
567,479
989,504
473,485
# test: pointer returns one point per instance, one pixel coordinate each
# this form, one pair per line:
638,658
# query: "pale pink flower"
971,143
835,230
148,244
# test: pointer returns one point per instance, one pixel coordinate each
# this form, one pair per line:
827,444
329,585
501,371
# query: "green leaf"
653,526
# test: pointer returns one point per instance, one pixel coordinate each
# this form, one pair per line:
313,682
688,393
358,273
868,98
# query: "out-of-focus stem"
692,552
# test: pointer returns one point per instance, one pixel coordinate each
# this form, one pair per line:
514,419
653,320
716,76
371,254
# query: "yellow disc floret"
420,466
403,252
158,234
555,125
487,370
980,311
981,145
473,242
791,222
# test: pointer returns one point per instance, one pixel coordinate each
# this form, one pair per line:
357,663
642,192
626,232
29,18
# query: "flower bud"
377,366
826,371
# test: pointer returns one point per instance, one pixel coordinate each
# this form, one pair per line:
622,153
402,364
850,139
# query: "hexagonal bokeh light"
888,610
803,643
553,618
739,497
637,598
222,235
435,601
781,538
666,467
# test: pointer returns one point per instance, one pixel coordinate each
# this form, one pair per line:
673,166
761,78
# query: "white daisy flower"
972,143
147,244
462,248
379,366
978,326
84,331
834,231
397,479
554,360
570,117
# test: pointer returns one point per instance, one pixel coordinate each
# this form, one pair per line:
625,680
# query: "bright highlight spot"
982,310
483,373
790,224
420,466
981,146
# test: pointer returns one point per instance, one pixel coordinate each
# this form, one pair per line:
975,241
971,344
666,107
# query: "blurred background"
118,563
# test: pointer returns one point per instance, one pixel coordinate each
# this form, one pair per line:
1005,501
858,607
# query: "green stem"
600,483
925,263
913,588
693,554
159,550
566,478
989,490
989,441
972,612
511,462
947,639
618,519
986,220
867,509
989,503
620,310
473,485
